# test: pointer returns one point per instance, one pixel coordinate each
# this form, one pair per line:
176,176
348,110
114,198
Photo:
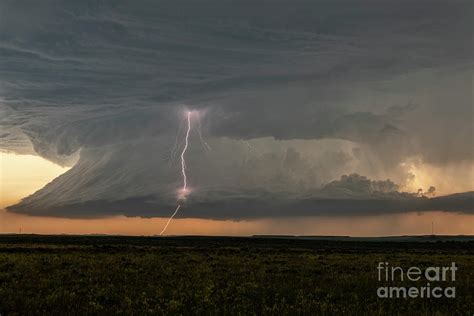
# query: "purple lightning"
183,162
184,190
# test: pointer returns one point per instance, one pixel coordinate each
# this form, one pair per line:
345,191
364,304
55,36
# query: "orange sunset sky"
21,175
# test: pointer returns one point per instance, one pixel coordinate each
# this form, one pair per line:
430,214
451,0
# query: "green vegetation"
225,276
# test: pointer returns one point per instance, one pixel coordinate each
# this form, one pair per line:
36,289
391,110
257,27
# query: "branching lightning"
174,150
183,162
203,142
184,189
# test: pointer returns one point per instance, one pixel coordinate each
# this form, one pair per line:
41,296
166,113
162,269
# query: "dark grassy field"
68,275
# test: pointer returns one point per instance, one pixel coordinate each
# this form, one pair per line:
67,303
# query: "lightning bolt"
183,162
184,190
169,219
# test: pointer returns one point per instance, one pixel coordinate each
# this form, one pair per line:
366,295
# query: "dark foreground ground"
77,275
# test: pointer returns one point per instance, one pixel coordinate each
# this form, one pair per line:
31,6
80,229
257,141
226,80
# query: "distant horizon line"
278,236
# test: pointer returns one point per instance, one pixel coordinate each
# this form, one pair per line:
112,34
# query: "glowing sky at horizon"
21,175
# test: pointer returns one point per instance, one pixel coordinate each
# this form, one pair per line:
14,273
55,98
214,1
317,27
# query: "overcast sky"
306,107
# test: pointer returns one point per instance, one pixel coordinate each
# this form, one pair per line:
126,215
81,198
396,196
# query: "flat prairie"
91,275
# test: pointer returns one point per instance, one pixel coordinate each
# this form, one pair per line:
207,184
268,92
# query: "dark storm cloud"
110,78
352,195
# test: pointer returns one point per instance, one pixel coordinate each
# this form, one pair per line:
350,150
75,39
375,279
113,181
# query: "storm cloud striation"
293,95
